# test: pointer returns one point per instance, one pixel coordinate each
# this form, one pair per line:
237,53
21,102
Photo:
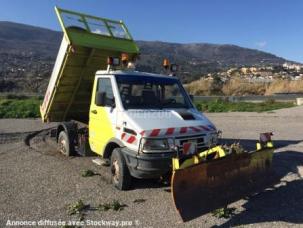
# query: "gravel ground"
37,183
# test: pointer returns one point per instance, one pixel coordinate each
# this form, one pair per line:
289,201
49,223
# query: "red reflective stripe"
170,131
123,135
183,130
186,147
195,129
155,132
131,139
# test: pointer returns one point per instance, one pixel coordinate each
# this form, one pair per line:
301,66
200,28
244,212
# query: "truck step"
101,162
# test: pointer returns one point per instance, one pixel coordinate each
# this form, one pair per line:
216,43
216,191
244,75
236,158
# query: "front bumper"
148,165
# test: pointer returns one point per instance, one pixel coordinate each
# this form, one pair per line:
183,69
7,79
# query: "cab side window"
104,86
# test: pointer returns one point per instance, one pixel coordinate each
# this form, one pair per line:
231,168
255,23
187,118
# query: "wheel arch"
110,146
70,128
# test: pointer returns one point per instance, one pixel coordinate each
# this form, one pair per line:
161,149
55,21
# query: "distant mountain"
16,37
27,55
201,58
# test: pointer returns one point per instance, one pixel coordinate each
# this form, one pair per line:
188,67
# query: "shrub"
199,87
285,86
241,87
225,106
18,108
238,87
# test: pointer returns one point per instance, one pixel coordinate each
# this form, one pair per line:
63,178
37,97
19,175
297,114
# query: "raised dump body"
86,44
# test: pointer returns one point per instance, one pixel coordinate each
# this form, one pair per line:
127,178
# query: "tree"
216,85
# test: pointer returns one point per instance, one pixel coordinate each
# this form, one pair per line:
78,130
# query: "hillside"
200,58
27,55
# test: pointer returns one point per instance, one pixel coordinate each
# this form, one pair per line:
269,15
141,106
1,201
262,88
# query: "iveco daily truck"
132,117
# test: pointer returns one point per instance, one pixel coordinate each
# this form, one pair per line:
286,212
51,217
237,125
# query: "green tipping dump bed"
86,44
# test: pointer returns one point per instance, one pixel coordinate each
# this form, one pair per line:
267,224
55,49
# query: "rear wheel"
121,177
64,145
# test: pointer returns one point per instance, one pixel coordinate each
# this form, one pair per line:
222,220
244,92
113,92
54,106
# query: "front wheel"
121,177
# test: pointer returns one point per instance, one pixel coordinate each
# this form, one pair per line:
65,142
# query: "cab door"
102,118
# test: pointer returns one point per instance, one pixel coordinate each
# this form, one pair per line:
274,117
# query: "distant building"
253,69
230,71
244,70
290,66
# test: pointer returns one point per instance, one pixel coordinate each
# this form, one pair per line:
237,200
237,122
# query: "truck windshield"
145,92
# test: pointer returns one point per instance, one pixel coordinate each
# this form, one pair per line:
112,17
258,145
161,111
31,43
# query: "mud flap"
204,187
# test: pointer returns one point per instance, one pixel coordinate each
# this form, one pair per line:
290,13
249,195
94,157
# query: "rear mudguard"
200,186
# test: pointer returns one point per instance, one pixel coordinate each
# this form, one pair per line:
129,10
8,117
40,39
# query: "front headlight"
154,145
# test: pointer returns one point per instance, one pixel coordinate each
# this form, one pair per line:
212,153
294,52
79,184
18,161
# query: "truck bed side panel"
83,51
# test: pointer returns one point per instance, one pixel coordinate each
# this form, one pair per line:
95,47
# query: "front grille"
198,138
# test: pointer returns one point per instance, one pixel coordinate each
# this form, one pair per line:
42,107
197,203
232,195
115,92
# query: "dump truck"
142,125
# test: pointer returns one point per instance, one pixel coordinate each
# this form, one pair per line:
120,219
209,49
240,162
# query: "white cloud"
261,44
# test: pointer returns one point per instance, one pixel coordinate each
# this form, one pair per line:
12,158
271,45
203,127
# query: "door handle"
94,111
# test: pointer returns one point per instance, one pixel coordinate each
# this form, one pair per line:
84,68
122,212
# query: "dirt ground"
37,183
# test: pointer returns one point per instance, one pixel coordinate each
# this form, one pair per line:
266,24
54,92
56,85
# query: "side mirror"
100,99
191,97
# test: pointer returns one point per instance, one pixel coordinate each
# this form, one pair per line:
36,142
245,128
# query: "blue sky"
274,26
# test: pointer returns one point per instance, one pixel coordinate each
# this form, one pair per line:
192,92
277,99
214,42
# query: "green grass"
88,173
28,107
19,107
225,212
225,106
78,209
115,206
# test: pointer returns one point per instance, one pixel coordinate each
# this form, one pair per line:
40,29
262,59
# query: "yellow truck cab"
146,115
134,120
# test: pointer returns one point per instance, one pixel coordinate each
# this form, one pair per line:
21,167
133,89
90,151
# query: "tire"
64,145
121,177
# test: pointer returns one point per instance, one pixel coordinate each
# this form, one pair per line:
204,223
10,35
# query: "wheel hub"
116,171
62,146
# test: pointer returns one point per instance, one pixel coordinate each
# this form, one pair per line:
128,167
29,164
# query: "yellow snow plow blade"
215,178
